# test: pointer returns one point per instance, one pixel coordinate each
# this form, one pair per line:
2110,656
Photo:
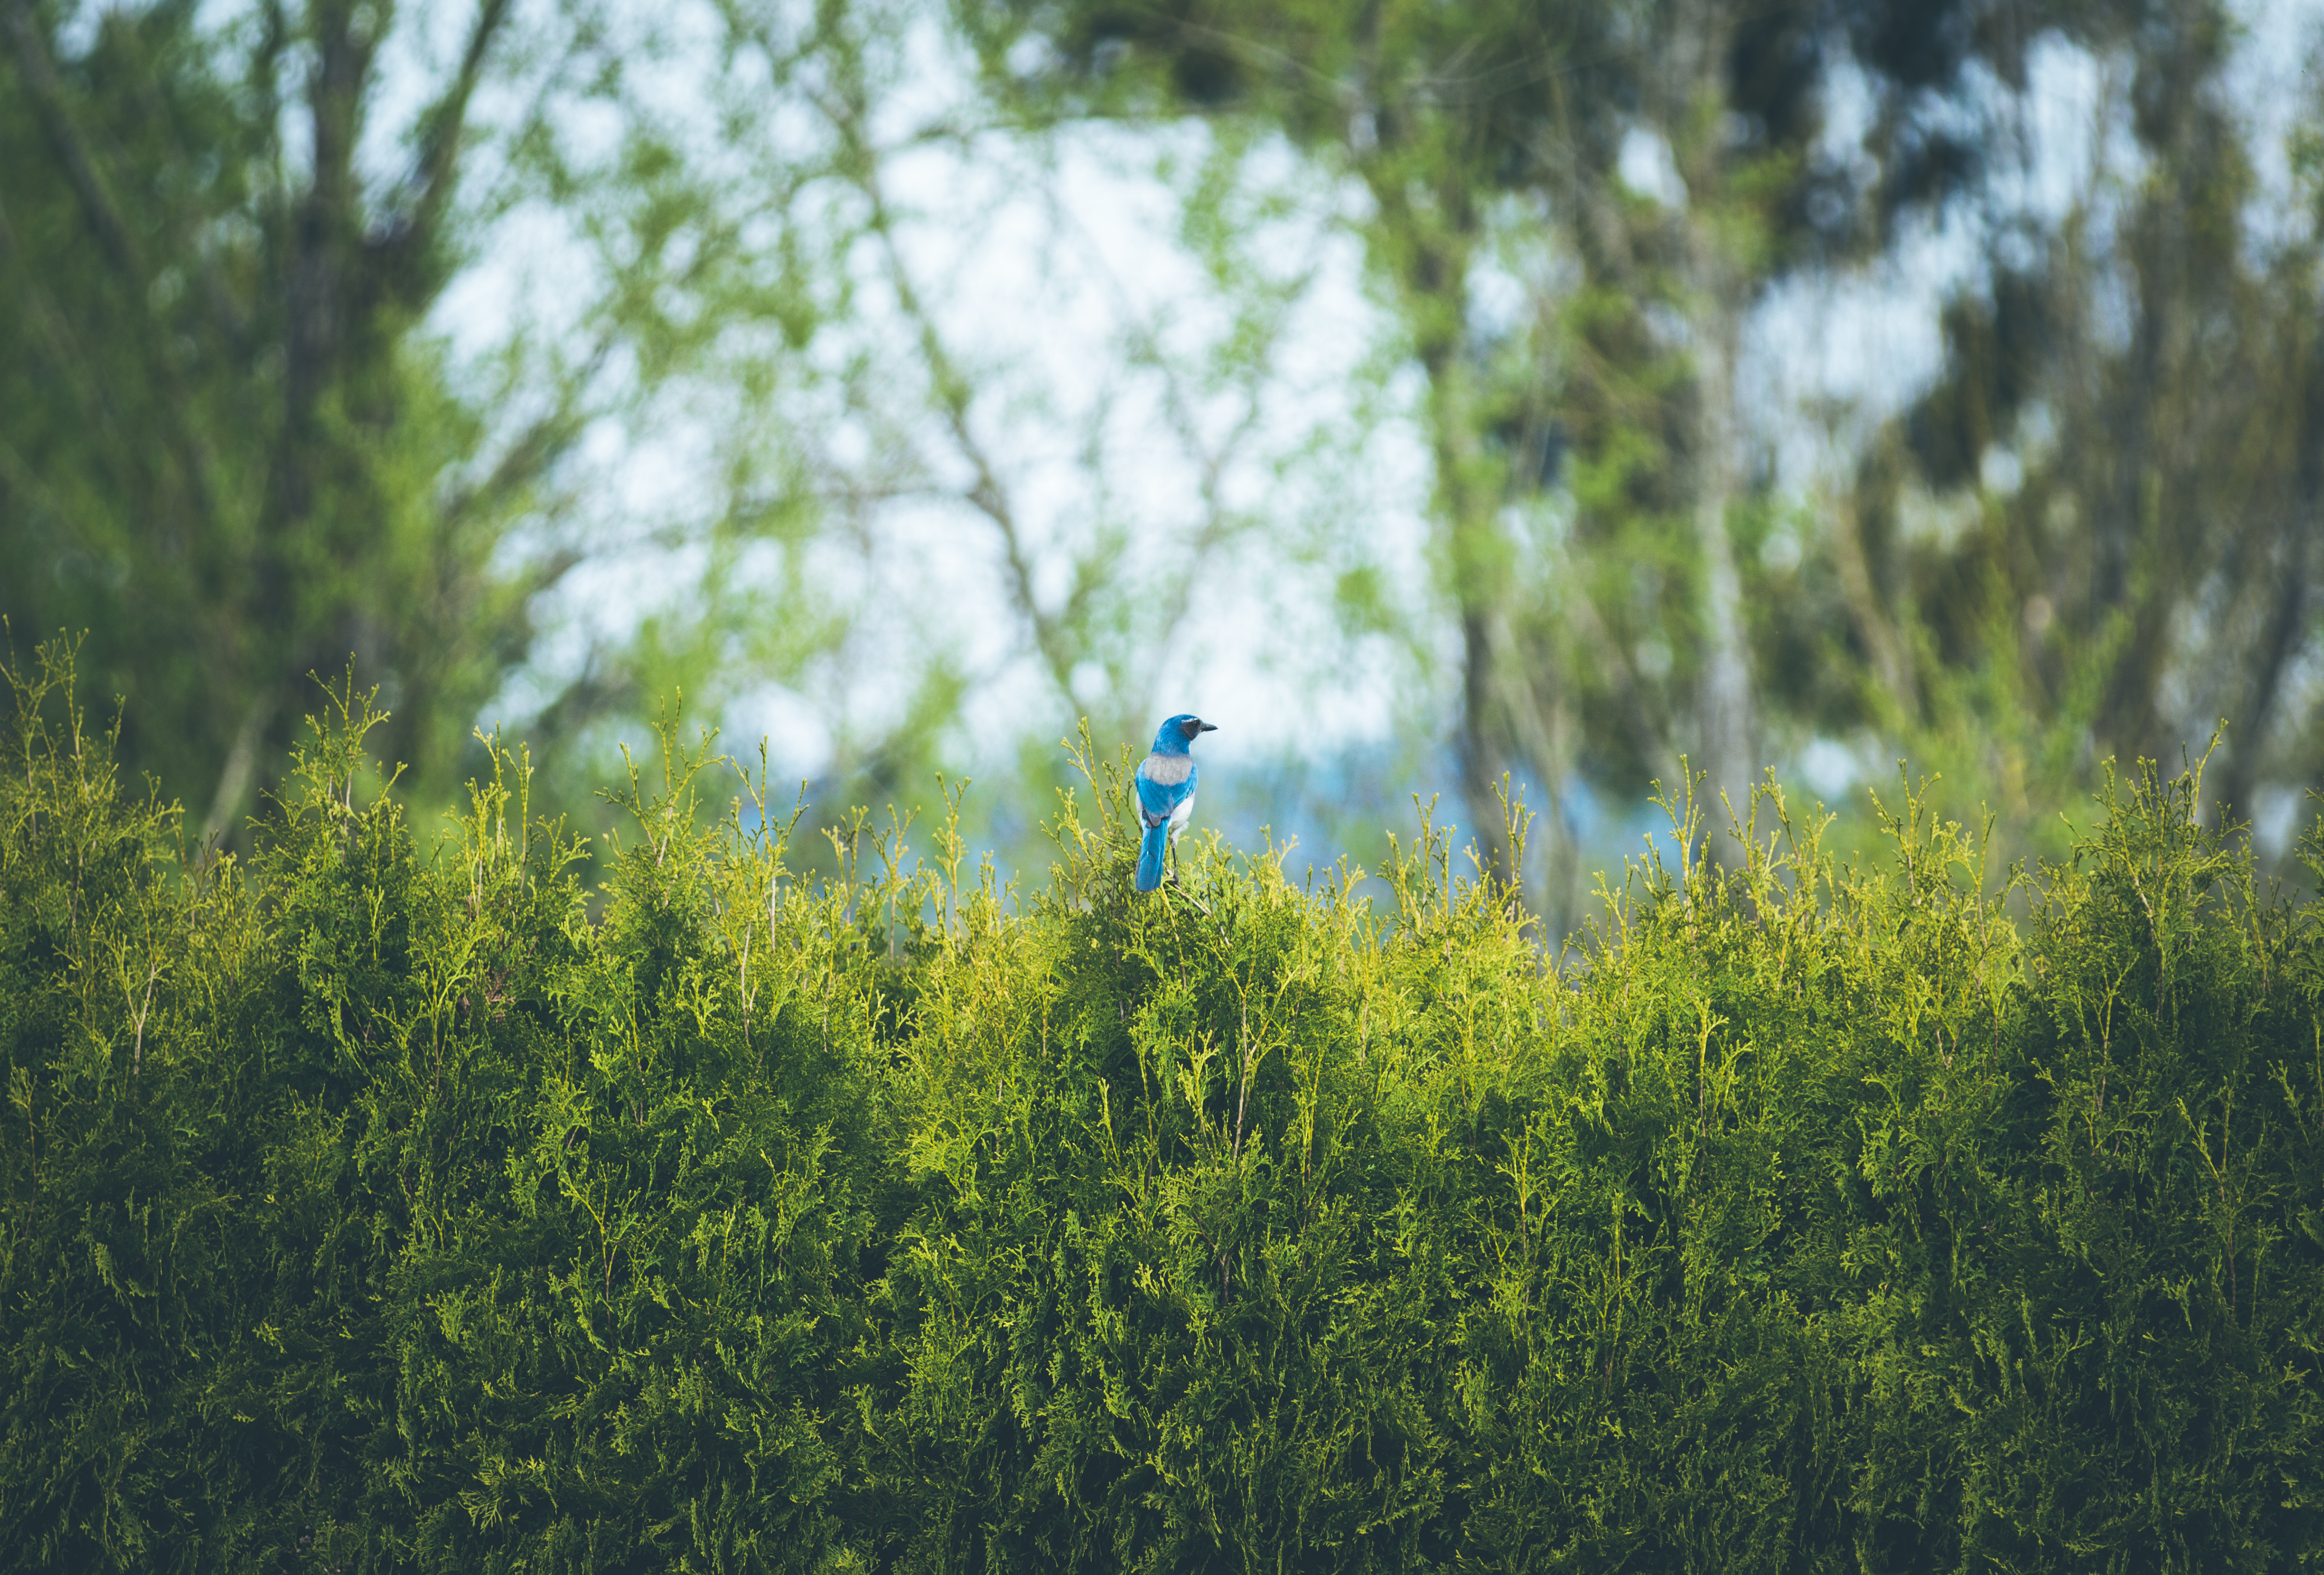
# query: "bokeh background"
1426,392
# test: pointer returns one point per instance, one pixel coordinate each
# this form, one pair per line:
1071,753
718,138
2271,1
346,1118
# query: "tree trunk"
1476,560
1688,108
1725,726
1432,249
1885,649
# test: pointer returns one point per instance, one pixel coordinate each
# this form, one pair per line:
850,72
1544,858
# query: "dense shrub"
375,1205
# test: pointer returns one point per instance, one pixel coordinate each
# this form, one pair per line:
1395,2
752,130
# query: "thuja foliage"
387,1202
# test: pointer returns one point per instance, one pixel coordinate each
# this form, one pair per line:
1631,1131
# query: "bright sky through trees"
1056,269
1052,261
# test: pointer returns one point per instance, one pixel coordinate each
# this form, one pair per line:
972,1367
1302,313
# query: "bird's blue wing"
1156,800
1162,809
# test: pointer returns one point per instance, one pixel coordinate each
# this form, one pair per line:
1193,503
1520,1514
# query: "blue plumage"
1165,784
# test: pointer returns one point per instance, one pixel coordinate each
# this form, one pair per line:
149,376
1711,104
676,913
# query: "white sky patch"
1830,768
1827,358
1069,294
1499,306
2063,110
1646,167
2277,61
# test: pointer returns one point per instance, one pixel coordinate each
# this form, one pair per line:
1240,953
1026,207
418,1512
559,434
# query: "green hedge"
377,1205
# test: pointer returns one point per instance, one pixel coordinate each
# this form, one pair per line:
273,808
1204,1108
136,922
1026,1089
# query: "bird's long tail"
1150,851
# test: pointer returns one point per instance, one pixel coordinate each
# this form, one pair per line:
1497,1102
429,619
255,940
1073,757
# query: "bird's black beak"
1206,727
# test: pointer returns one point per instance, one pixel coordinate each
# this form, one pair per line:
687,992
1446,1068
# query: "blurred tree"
1645,173
238,451
1575,209
954,510
227,449
2102,534
1655,166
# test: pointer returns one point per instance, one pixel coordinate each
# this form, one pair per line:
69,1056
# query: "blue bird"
1166,793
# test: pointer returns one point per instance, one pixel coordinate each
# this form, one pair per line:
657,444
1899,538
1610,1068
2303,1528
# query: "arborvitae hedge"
371,1206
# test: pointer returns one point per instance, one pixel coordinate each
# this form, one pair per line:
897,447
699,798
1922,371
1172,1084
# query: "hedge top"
370,1205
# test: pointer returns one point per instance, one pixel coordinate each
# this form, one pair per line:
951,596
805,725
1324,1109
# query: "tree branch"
1217,524
1891,658
38,73
442,130
989,493
103,214
55,334
540,446
184,244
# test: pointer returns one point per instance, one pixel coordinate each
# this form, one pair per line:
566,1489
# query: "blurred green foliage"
366,1206
237,448
2098,534
225,452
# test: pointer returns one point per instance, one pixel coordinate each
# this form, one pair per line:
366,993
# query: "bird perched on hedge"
1166,793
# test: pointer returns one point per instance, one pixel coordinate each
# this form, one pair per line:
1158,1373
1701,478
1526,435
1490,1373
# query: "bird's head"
1179,732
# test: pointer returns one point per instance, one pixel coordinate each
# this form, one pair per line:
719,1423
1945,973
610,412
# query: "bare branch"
989,493
540,446
1217,521
240,773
